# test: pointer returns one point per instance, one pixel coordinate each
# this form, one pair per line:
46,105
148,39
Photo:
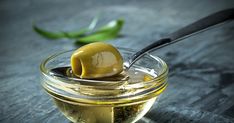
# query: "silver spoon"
185,32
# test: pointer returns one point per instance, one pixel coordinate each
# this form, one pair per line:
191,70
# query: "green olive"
96,60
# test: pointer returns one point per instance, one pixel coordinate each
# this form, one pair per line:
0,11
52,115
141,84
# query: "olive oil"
106,112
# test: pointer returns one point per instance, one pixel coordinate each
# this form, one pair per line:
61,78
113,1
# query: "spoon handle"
187,31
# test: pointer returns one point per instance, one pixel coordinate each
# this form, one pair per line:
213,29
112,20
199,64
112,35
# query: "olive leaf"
47,34
86,35
110,31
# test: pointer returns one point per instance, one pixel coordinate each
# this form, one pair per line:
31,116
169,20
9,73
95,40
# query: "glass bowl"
110,100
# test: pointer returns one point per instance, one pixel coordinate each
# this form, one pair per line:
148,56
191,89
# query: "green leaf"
59,35
75,35
110,31
86,35
115,25
47,34
82,32
97,37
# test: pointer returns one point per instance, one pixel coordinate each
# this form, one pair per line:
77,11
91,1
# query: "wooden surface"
201,81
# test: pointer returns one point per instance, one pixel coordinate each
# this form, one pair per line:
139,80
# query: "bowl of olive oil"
124,98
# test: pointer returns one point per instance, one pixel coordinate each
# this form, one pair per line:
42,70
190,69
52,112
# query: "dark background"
201,80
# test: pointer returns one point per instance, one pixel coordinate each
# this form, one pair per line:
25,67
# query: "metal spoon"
185,32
